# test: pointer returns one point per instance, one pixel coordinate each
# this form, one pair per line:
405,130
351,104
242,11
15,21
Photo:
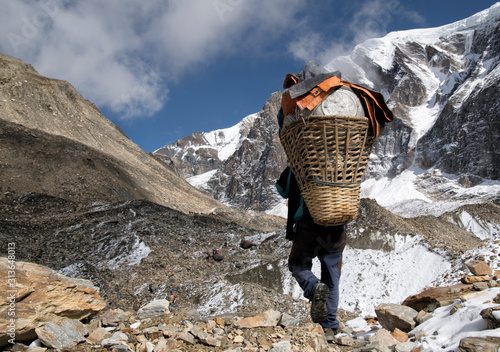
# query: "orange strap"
377,109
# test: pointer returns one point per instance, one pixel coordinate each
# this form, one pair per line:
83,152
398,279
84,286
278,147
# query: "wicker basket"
328,155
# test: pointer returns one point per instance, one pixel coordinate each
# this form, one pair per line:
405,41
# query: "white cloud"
370,20
121,54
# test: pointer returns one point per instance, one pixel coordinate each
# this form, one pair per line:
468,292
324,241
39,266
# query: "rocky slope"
55,142
136,252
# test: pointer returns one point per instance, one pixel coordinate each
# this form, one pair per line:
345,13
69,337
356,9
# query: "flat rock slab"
62,335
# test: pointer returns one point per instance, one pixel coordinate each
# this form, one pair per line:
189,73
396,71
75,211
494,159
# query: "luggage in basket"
328,155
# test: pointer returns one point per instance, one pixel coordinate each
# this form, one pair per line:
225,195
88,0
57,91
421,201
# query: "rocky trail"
128,257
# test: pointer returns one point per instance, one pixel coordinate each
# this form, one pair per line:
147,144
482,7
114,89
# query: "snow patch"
444,330
200,181
370,277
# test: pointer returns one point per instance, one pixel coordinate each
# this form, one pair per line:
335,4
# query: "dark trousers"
328,246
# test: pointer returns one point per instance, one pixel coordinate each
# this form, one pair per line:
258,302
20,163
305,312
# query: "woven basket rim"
305,120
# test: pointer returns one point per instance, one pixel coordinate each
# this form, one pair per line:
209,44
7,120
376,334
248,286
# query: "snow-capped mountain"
238,165
442,84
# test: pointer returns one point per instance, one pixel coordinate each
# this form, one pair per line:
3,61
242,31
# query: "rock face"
42,295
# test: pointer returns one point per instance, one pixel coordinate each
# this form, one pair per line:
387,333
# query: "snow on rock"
226,141
445,330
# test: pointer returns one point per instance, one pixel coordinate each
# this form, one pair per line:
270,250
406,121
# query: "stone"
455,309
96,336
268,318
479,268
119,348
165,345
345,340
63,334
496,275
479,344
316,337
42,295
154,309
288,320
392,316
480,286
245,244
281,346
423,316
471,295
204,337
405,347
186,337
419,335
218,257
492,317
399,335
112,317
118,338
238,339
264,343
383,336
219,321
36,349
432,298
472,279
376,346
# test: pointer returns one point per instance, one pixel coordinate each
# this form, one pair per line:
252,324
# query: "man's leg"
300,264
330,275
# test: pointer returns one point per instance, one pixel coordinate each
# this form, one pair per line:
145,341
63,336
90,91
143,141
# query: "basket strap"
327,183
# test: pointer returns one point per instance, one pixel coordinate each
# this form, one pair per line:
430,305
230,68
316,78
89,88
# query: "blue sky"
162,70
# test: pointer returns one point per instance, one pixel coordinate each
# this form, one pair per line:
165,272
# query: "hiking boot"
329,334
318,302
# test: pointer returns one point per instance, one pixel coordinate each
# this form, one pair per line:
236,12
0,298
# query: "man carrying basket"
327,128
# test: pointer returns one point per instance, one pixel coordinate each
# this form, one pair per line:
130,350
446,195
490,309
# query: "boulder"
96,336
392,316
432,298
268,318
118,338
218,257
245,244
471,279
479,344
479,268
155,309
399,335
288,320
113,316
41,295
383,336
492,317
